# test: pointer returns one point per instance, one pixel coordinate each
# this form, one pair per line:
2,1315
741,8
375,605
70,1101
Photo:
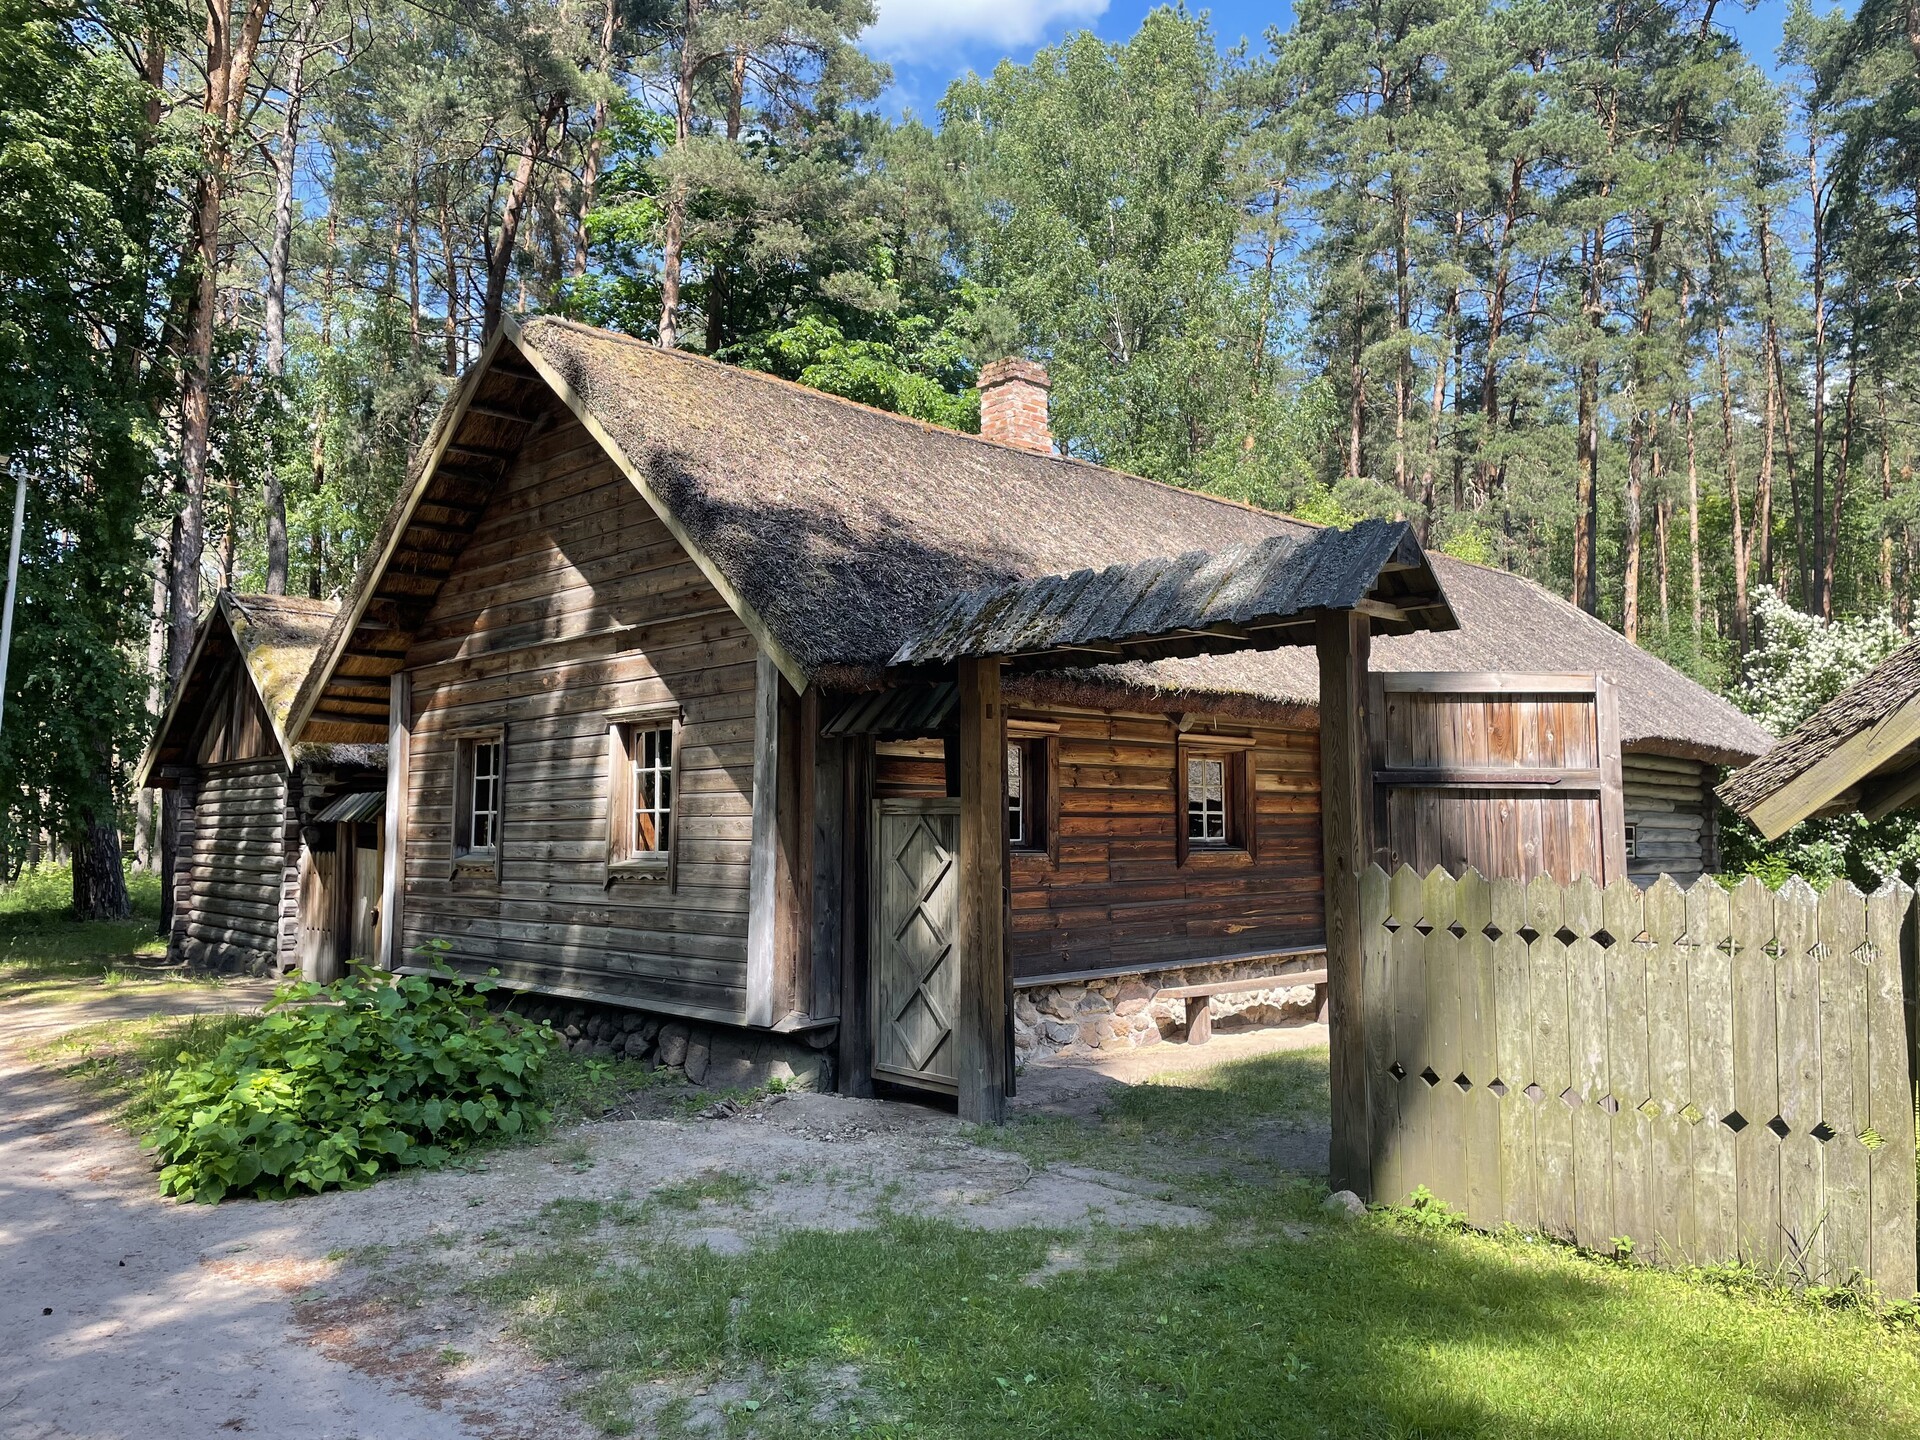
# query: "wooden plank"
1846,1248
981,1025
1591,1082
1407,1160
763,884
1377,1010
1613,825
1488,682
1552,1058
1444,777
1756,1074
1519,1196
1890,1102
1445,1048
1669,1212
1630,1079
394,877
1479,1014
1342,645
1799,926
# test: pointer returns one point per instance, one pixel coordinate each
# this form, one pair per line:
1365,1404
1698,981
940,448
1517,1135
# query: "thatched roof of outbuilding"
275,638
839,531
1869,732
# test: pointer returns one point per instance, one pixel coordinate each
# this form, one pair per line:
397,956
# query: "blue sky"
931,42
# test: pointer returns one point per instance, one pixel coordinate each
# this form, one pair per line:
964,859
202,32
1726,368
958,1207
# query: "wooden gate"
1510,775
914,956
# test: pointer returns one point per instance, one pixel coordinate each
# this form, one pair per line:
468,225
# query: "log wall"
237,896
1668,803
1115,897
571,602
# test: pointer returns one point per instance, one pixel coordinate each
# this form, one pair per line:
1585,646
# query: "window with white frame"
650,753
479,787
1207,799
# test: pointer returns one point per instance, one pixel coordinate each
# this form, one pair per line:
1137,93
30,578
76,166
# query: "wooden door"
914,952
1515,775
364,936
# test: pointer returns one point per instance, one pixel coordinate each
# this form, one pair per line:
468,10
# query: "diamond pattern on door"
915,967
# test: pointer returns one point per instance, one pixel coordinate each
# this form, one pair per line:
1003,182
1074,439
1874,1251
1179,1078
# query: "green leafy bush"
339,1082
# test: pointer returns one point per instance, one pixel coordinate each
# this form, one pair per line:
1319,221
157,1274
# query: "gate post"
980,1027
1343,639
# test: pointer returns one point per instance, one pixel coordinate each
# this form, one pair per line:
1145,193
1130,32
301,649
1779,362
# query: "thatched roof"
839,530
1246,597
1857,749
272,640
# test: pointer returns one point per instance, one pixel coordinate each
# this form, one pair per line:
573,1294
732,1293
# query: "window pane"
652,752
1206,800
1016,801
483,796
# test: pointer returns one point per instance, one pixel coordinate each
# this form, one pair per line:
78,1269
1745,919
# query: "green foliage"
340,1082
897,376
1798,664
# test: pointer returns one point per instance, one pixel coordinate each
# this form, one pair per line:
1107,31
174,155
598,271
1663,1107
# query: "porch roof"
1242,597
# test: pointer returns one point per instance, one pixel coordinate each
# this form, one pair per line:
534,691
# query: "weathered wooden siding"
241,887
571,602
1118,898
1668,804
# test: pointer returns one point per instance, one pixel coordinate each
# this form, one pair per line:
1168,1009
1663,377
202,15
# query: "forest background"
1580,287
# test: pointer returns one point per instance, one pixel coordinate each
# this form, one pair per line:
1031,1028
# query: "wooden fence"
1713,1076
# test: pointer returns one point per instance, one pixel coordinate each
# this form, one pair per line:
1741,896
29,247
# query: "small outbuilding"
277,845
1859,751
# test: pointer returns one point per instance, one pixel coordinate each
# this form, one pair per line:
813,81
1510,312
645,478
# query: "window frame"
624,731
1241,819
1040,770
463,857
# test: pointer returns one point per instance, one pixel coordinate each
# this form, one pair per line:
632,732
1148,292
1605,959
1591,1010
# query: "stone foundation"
1083,1016
721,1057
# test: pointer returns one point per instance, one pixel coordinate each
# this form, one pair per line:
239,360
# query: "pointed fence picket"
1710,1076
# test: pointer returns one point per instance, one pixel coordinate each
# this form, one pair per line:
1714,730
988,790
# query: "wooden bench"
1198,997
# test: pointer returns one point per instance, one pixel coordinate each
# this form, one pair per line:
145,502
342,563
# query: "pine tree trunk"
673,238
1693,522
1661,515
1630,562
99,880
500,259
1730,458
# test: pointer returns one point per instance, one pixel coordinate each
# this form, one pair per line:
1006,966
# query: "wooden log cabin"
277,843
634,636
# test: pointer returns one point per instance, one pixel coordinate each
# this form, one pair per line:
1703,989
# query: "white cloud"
906,29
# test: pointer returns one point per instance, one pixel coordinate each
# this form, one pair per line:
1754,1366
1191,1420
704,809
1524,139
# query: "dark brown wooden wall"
1118,896
572,601
236,878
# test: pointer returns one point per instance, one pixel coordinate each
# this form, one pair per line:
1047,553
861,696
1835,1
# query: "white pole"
13,584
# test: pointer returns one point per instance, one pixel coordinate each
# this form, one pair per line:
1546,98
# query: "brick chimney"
1013,404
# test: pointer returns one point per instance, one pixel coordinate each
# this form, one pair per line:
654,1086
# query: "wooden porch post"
393,880
1346,805
980,1027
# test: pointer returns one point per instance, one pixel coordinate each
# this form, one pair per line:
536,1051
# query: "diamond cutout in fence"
1866,953
1565,936
1734,1121
1534,1093
1693,1114
1779,1127
1424,928
1604,940
1609,1104
1397,1070
1462,1081
1570,1098
1649,1107
1457,930
1872,1140
1493,932
1428,1076
1824,1132
1527,934
1499,1088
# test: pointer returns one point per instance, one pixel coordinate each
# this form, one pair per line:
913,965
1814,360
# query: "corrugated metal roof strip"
1250,587
365,805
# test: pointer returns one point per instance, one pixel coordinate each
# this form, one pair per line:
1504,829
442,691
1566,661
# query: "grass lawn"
1270,1320
47,957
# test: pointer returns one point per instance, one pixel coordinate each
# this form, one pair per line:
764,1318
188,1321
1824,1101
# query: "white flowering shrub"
1798,663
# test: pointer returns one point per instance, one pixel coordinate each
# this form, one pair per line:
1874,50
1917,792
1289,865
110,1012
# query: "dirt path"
124,1317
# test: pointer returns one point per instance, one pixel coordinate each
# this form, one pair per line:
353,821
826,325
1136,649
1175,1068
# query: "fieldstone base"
1083,1017
205,958
721,1057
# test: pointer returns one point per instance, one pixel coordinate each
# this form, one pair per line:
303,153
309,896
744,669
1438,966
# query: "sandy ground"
125,1317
